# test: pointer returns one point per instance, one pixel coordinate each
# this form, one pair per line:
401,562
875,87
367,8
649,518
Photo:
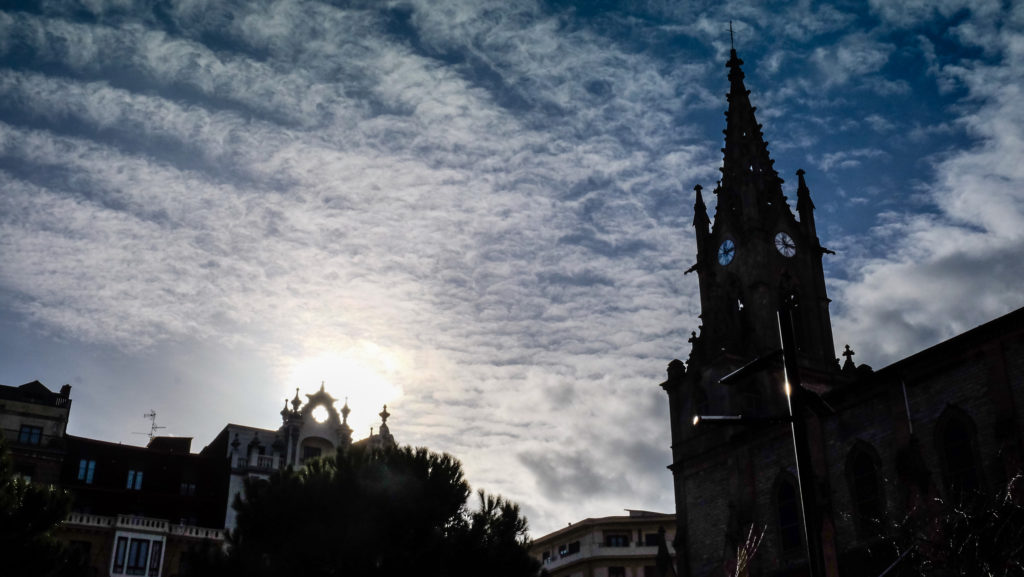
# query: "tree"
29,514
969,534
374,513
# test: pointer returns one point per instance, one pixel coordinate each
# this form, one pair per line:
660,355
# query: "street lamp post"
795,397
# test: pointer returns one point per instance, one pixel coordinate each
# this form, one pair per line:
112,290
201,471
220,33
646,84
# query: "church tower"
757,254
755,257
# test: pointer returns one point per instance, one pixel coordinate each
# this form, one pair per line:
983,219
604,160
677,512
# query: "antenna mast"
153,427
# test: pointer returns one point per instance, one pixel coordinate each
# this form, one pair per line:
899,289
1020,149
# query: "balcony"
142,523
88,520
260,462
598,550
194,532
147,524
632,550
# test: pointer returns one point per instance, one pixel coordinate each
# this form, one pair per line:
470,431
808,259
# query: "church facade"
880,445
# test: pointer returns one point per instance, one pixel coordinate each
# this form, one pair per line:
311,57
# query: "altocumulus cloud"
482,207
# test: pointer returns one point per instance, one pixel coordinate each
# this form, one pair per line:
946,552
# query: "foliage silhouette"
975,534
373,513
29,514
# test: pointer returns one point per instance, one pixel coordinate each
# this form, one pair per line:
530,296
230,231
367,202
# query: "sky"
478,212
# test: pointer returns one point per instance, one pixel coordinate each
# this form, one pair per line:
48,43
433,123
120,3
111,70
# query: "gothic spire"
803,195
700,213
804,205
749,179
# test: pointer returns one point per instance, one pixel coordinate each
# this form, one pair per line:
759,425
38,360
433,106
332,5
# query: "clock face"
785,245
726,252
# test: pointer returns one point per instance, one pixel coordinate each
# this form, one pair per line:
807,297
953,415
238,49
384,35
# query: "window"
138,557
30,435
86,469
616,572
651,540
188,488
310,452
788,502
865,489
134,479
956,444
616,540
119,554
566,549
154,559
545,557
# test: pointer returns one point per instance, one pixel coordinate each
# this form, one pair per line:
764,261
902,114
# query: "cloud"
940,274
879,123
854,58
915,12
847,158
223,183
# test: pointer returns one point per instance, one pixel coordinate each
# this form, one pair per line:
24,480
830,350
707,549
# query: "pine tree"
372,513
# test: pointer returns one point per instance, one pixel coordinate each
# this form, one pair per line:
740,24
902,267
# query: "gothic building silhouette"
942,423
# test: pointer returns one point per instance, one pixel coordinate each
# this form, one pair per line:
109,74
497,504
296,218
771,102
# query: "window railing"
264,462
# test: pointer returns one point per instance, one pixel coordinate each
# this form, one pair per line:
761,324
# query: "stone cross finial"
848,353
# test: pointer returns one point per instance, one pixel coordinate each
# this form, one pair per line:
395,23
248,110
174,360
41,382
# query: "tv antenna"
153,427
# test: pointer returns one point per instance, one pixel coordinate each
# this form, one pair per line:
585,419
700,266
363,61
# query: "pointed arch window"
865,481
955,441
787,502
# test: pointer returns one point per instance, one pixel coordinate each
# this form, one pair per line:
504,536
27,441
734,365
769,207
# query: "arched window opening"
956,439
787,499
865,488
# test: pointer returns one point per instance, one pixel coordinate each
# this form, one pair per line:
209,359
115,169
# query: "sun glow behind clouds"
365,374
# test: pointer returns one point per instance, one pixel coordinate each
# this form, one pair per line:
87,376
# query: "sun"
364,374
320,414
